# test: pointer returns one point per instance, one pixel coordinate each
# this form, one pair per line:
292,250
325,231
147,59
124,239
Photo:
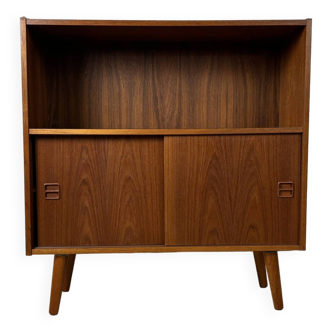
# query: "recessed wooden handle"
51,190
285,189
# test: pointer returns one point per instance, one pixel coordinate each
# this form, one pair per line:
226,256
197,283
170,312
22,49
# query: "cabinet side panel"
28,184
292,78
223,190
305,136
37,78
110,191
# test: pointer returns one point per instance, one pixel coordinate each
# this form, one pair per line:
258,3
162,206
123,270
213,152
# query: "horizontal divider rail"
166,132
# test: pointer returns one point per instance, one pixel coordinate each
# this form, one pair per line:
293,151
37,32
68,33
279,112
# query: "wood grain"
152,248
260,268
165,85
272,266
111,191
37,78
59,269
222,190
27,142
68,273
163,132
165,136
292,81
305,136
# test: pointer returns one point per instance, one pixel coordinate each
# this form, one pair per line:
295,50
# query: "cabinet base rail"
157,248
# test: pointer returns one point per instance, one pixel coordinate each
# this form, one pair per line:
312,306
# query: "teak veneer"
165,136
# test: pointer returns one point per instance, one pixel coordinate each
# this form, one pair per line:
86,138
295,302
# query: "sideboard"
165,136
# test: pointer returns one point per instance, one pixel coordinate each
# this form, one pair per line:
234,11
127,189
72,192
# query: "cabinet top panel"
233,31
167,23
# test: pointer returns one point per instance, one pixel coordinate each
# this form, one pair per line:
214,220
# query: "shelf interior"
165,77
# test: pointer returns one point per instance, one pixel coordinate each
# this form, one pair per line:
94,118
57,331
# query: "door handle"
51,190
285,189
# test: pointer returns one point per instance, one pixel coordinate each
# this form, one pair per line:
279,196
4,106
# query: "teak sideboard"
165,136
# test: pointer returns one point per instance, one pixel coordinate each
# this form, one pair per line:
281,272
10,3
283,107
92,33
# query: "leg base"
260,267
68,273
272,266
59,268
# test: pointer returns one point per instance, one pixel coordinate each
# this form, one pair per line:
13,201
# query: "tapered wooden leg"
272,266
260,267
59,269
68,273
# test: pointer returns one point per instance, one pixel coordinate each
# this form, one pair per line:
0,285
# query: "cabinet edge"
27,143
305,136
157,249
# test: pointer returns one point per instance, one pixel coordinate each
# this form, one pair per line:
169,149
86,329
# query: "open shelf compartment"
166,77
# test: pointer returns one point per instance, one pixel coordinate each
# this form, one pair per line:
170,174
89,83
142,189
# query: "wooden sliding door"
232,189
100,191
219,190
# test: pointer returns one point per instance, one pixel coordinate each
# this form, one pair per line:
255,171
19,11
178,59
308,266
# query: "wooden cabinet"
165,136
